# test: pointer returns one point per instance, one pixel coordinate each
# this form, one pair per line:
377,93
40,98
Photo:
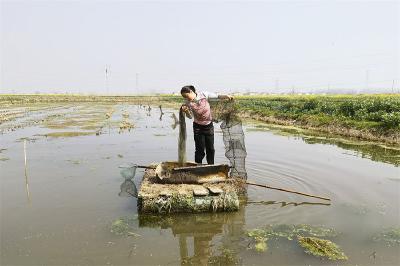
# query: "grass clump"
321,248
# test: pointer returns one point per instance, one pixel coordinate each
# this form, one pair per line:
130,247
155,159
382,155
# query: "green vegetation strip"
374,117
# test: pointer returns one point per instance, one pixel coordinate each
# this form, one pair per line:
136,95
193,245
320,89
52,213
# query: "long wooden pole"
26,174
287,190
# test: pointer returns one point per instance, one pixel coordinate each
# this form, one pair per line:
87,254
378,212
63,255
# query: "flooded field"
70,205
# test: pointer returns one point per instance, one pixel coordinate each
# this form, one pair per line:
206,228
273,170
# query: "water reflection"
369,151
128,189
149,111
176,121
161,112
201,230
365,149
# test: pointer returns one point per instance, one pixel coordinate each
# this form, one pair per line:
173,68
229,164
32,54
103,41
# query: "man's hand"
185,108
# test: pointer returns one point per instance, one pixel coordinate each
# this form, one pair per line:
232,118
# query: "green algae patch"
226,257
289,231
124,226
389,236
260,237
69,134
317,231
321,248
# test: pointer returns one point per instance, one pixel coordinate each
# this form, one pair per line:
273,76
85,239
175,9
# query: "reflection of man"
128,189
202,248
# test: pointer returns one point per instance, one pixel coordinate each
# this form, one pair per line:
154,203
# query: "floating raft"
157,197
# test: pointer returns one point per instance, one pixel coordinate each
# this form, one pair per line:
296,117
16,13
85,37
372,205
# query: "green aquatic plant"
390,236
291,231
261,236
261,245
226,257
282,230
124,226
317,231
321,248
69,134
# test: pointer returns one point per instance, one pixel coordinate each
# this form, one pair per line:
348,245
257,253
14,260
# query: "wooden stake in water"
182,138
26,174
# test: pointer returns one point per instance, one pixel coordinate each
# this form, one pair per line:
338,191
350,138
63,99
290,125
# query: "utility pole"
276,85
393,86
107,72
137,82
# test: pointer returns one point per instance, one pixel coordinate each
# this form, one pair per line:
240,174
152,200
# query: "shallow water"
61,211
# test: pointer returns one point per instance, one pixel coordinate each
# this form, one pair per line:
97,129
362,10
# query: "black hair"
187,89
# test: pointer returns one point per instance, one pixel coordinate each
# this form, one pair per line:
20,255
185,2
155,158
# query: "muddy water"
61,211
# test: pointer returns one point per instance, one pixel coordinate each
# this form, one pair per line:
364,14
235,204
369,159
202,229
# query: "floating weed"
124,226
225,257
361,209
69,134
261,236
390,236
125,125
321,248
261,246
120,156
74,161
317,231
4,159
282,230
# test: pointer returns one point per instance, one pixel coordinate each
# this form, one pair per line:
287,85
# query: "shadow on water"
369,150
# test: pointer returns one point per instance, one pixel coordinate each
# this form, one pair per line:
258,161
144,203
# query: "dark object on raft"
191,173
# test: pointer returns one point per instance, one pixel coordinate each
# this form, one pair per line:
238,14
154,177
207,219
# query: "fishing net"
233,136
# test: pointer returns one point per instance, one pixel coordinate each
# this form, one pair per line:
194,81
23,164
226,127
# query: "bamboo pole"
26,174
287,190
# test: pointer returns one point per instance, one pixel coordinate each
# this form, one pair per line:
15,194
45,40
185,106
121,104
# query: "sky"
149,47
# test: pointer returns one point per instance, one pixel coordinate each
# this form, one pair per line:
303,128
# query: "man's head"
188,92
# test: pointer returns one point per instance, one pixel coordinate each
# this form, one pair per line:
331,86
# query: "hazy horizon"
157,47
